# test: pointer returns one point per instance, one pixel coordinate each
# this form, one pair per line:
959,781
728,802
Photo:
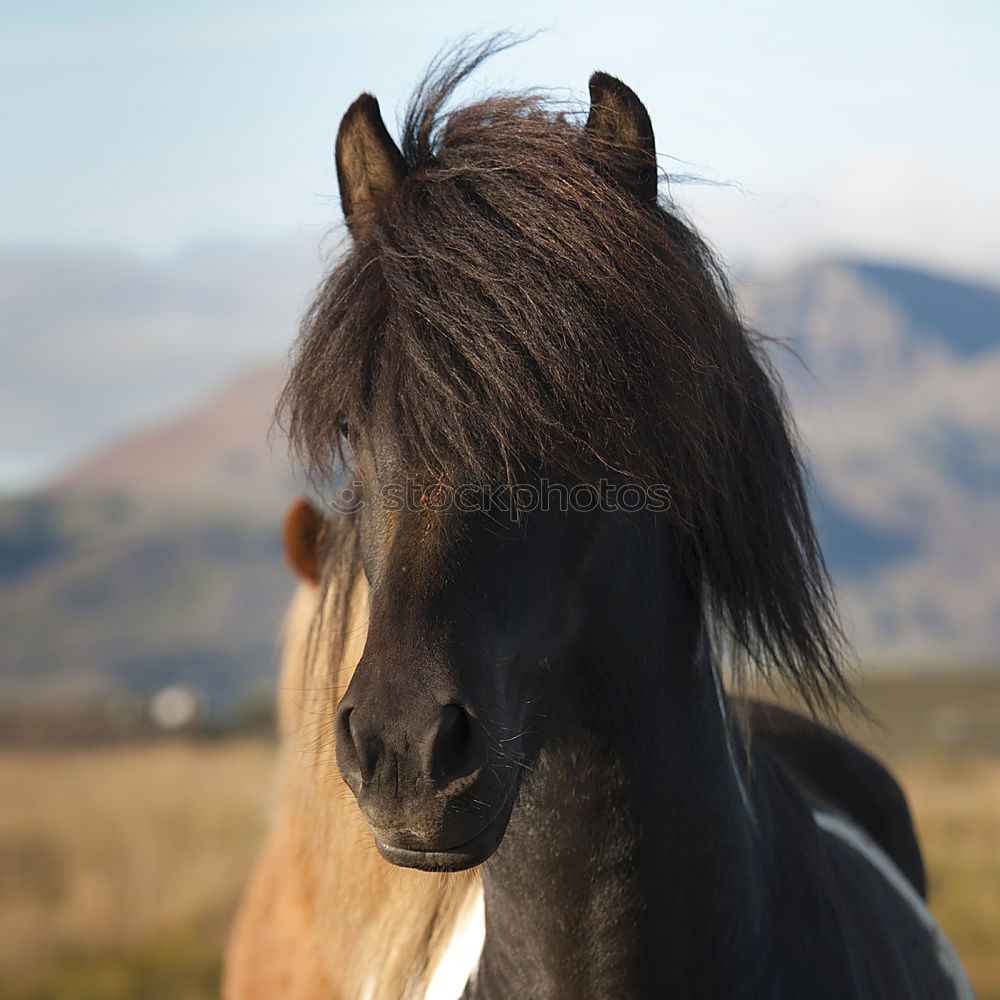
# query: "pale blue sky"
866,127
139,128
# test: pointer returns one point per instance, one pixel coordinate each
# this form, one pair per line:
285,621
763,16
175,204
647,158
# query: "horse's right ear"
370,166
301,536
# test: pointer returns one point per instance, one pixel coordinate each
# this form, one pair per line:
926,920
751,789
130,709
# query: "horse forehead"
410,547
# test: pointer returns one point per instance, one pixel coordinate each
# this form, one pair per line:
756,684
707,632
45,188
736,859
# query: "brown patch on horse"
301,536
274,948
323,915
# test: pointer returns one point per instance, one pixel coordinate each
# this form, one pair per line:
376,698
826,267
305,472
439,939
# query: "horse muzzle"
424,783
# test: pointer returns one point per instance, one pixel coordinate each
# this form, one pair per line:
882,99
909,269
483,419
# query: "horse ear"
370,166
301,536
618,118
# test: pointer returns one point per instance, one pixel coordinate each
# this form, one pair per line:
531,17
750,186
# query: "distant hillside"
158,559
896,389
97,343
125,601
225,453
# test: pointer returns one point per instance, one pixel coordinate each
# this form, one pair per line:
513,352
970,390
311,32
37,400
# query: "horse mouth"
472,852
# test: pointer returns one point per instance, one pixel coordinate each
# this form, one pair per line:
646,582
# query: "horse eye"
344,446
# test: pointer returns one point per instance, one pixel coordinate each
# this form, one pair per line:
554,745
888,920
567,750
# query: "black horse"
573,491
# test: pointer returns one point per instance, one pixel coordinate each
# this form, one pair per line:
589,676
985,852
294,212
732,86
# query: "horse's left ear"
301,536
619,118
370,166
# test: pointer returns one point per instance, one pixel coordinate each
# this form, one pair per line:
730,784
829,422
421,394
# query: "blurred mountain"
99,342
157,560
224,454
894,378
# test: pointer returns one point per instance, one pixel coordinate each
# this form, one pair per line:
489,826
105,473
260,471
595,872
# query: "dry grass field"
119,866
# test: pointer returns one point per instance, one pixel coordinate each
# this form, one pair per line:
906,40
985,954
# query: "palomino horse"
571,489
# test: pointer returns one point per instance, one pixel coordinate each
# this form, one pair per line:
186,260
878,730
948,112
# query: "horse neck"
628,868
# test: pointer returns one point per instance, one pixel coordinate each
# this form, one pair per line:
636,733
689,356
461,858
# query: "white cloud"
882,206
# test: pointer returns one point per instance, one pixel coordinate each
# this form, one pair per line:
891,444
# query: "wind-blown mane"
512,307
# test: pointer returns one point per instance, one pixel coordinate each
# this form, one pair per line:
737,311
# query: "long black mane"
512,307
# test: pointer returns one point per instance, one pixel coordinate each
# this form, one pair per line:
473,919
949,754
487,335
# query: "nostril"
347,751
357,752
367,748
459,748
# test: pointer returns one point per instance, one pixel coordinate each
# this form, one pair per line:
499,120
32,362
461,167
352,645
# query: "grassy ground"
119,867
941,736
956,801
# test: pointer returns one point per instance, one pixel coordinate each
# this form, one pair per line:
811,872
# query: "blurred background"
169,202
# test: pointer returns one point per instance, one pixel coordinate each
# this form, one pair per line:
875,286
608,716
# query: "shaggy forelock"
512,307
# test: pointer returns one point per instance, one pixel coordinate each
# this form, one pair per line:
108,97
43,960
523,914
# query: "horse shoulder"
834,773
274,948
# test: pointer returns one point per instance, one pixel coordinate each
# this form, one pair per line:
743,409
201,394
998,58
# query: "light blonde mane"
323,915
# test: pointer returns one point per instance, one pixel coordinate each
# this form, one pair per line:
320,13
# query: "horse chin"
469,854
